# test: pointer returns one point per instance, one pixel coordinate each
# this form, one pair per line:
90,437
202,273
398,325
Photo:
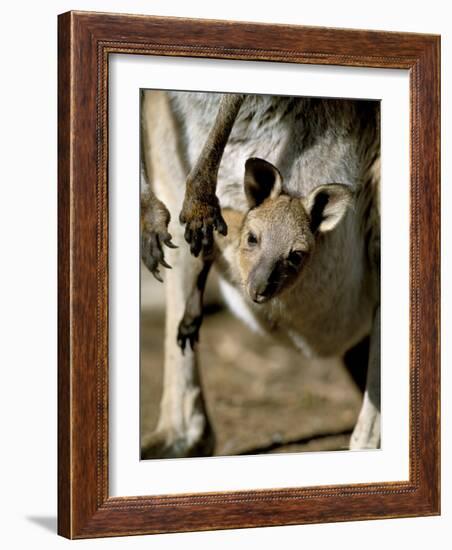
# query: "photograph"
260,274
225,229
248,274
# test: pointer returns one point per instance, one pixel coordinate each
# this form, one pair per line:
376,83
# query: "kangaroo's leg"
183,428
366,434
201,212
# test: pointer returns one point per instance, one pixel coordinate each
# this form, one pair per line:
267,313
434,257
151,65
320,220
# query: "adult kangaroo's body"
313,280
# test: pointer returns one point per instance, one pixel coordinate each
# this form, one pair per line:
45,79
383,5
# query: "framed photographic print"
248,275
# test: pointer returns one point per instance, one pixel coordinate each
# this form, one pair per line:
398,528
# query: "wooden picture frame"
85,42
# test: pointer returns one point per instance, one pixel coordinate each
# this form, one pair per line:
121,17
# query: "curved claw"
182,342
156,274
220,225
188,331
169,243
195,243
187,233
153,252
165,263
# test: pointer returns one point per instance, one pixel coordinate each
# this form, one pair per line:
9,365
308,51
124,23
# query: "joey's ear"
262,180
326,206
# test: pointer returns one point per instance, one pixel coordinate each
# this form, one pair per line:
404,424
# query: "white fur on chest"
236,302
247,313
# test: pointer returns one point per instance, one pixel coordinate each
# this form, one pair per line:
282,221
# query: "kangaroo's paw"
201,216
154,235
188,331
161,444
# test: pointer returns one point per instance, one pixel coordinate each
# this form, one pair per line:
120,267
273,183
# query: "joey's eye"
251,239
295,258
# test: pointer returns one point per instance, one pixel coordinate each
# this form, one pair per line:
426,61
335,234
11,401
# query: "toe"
167,240
188,234
220,225
207,238
157,275
196,242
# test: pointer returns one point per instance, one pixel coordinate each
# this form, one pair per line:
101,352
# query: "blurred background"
261,396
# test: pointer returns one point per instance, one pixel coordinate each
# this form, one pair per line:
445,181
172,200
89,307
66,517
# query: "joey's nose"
259,298
265,280
259,293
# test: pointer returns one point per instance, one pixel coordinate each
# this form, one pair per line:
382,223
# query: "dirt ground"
261,397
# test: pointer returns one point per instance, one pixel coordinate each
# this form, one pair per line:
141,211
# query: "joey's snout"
268,278
259,285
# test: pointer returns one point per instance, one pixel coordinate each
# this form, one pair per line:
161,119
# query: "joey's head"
279,232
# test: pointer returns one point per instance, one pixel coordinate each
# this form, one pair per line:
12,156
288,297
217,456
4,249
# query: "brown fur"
322,302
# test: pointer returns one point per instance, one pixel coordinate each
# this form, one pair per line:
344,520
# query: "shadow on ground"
49,523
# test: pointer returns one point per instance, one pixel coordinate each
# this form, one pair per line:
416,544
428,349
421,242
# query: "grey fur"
312,142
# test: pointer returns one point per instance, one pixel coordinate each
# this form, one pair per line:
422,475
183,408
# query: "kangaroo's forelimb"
155,219
190,324
201,211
